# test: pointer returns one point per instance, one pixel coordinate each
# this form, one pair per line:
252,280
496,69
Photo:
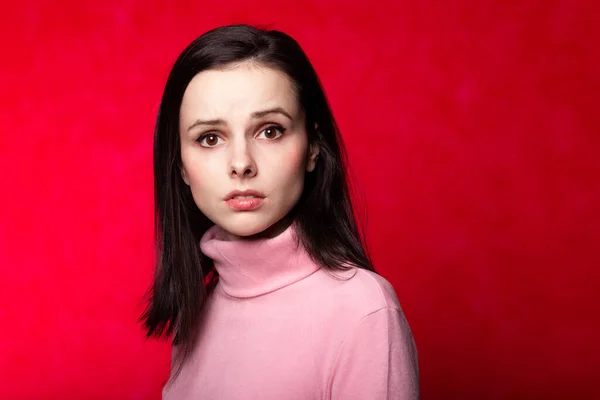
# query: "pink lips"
245,204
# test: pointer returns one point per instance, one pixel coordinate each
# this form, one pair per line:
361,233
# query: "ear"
184,176
313,154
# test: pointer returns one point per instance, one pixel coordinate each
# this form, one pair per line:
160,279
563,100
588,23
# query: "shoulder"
357,292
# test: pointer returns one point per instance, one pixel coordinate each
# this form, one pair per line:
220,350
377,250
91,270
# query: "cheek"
293,158
199,172
206,192
195,165
291,169
200,180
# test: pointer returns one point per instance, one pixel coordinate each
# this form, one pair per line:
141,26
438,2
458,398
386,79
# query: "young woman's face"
241,128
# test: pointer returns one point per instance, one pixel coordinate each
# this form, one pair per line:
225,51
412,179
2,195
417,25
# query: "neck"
260,264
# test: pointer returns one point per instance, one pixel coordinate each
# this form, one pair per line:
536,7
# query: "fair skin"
241,128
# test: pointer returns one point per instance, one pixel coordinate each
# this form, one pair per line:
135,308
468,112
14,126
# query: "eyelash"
278,128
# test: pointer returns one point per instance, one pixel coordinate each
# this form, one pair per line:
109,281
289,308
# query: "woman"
262,277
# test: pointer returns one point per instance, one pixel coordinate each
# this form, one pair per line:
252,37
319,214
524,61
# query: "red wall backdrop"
473,130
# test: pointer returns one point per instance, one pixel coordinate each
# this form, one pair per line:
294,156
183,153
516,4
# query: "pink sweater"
278,327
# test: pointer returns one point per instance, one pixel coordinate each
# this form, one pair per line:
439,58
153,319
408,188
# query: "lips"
245,204
248,192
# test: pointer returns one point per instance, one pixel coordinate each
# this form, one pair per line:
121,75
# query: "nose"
242,163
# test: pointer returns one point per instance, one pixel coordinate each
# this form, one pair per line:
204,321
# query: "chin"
247,226
243,229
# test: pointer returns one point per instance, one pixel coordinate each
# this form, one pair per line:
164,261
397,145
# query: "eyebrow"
255,115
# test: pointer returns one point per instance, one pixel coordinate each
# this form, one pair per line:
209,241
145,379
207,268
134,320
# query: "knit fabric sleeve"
377,360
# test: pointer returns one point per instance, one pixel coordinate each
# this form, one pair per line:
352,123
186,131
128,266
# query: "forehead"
236,92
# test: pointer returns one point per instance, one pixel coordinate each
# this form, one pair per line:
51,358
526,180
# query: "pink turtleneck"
278,327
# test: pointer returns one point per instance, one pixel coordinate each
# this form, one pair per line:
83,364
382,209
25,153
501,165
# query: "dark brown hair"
324,215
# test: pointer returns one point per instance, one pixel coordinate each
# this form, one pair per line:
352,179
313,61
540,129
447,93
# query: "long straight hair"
324,215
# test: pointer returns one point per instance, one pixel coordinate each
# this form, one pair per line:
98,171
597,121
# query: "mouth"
244,200
245,197
245,203
244,194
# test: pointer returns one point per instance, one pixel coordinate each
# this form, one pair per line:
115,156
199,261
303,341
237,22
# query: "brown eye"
208,140
211,140
272,132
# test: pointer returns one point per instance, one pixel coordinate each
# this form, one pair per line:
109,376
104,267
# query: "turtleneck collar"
252,267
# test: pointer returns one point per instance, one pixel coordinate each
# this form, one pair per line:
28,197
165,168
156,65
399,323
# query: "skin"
225,146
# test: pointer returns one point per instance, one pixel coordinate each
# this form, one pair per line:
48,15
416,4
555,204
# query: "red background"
473,131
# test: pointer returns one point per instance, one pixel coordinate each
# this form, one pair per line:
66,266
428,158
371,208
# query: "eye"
271,132
208,140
